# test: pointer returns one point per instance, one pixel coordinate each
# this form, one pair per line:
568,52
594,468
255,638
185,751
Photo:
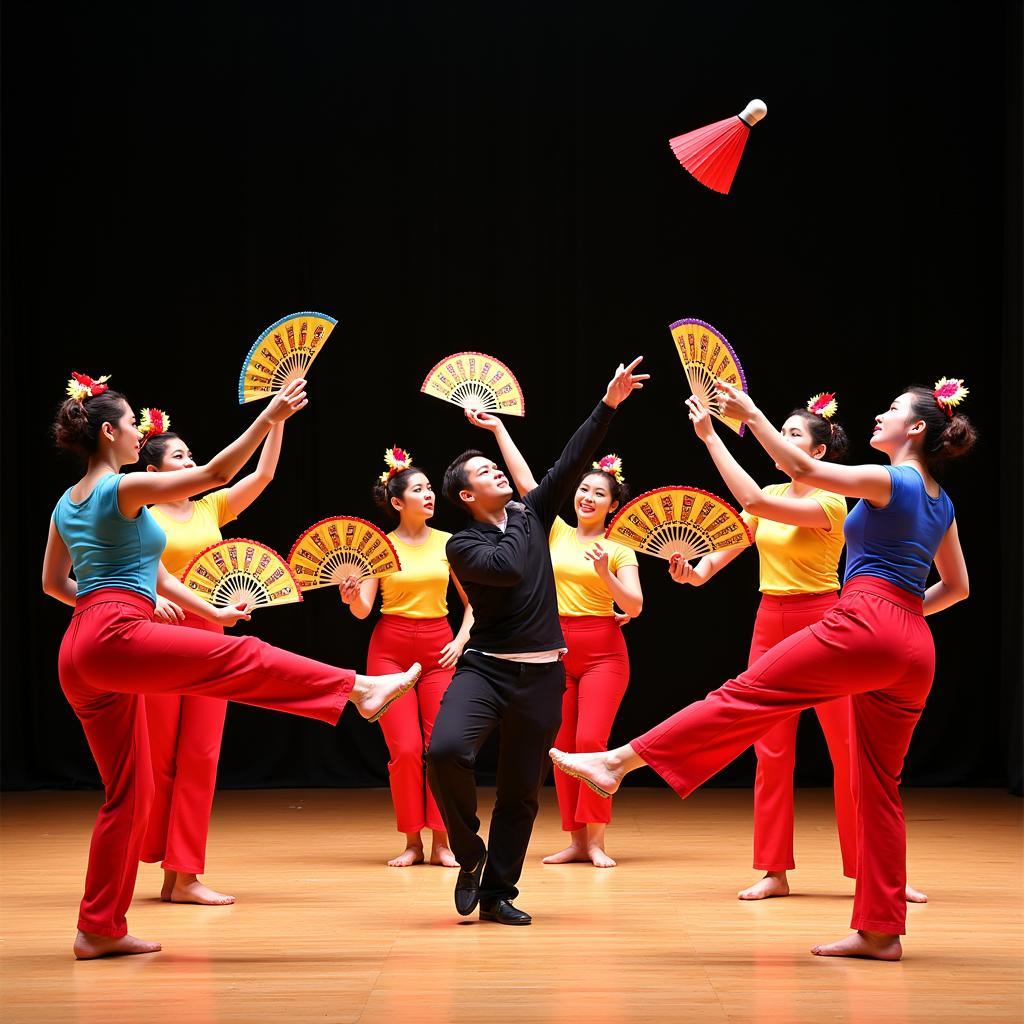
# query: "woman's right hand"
682,572
485,420
700,417
288,401
349,589
233,613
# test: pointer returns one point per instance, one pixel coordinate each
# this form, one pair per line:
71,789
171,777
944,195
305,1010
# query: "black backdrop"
497,177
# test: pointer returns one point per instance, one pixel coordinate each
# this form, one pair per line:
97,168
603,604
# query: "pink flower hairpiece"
949,392
612,465
153,422
397,459
81,386
824,405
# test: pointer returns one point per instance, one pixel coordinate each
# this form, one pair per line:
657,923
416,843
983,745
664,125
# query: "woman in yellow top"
798,530
414,617
592,575
185,732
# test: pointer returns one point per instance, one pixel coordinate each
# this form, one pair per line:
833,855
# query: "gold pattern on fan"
282,353
678,521
332,550
232,571
476,381
707,357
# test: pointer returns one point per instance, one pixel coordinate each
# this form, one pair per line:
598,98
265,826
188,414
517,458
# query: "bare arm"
697,575
451,652
953,585
57,581
138,489
242,494
171,587
522,475
626,590
359,595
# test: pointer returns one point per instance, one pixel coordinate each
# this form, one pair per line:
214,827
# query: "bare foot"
92,947
594,770
188,889
599,858
867,945
442,856
574,853
915,895
372,694
409,856
168,887
773,884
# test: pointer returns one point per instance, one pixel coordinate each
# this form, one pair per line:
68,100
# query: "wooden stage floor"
324,931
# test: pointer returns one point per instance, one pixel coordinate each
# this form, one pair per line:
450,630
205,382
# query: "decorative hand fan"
678,520
282,353
707,357
236,570
476,381
329,551
712,154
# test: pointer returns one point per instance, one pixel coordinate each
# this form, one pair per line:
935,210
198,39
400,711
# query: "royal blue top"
898,542
107,548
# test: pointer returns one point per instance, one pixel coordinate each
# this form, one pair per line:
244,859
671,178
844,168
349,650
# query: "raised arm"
475,560
780,508
138,489
953,585
870,482
522,475
242,494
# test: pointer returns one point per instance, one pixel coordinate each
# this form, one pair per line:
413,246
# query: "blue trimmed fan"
282,353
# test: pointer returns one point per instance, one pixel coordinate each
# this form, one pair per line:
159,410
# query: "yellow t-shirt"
580,590
799,559
186,540
420,589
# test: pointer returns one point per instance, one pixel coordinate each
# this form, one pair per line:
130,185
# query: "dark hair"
945,437
153,450
456,478
619,492
825,432
395,487
77,425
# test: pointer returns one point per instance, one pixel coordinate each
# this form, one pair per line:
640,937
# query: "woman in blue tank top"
873,645
114,651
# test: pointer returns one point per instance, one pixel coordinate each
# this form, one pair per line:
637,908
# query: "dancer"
511,672
872,645
184,731
413,624
592,575
113,652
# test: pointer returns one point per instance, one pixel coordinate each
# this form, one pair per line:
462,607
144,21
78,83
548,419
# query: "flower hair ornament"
153,422
81,386
398,459
612,465
949,392
825,406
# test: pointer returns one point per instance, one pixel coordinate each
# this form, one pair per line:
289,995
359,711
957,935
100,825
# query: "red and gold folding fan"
476,381
707,357
236,570
678,521
282,353
334,549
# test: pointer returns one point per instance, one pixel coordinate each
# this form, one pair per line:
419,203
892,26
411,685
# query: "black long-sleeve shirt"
507,576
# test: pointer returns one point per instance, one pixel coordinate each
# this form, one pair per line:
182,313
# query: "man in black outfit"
511,671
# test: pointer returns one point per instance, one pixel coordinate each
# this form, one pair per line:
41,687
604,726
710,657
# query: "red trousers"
395,644
596,677
874,645
778,618
184,744
112,654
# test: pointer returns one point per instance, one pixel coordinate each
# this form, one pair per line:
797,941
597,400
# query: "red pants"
184,743
778,618
396,643
113,653
873,644
596,677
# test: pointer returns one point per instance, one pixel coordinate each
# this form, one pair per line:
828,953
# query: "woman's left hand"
599,557
733,403
450,654
167,611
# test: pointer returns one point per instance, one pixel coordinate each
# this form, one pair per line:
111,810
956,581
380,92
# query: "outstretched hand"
288,401
484,420
682,572
624,383
700,417
233,613
733,403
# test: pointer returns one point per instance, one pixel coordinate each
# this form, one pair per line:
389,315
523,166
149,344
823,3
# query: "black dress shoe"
467,887
502,912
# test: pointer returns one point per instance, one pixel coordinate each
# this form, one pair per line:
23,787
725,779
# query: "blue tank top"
108,549
898,543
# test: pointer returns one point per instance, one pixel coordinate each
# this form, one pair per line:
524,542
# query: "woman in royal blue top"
113,651
873,645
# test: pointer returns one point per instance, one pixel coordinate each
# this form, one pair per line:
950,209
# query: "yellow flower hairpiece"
824,405
81,386
397,459
152,422
612,465
949,392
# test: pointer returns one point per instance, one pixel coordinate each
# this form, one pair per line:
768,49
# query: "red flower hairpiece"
824,405
949,392
154,421
397,459
81,386
612,465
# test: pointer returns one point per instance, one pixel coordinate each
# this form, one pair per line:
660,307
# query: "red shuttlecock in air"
712,154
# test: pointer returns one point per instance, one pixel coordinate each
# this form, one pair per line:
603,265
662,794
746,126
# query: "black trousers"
526,701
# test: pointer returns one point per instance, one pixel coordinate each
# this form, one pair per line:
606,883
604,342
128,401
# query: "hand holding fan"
334,549
683,521
282,353
707,358
476,381
232,571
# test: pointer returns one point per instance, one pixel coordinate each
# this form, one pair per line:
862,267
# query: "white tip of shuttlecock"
753,111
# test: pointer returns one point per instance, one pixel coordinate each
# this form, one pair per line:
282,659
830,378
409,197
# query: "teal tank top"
108,549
